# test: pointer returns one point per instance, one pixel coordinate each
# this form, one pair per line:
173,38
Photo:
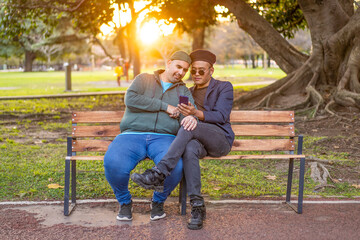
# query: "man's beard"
175,79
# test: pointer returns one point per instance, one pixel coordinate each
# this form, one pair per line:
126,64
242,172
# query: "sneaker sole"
141,184
123,218
157,217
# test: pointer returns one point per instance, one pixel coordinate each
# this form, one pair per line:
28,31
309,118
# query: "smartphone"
183,99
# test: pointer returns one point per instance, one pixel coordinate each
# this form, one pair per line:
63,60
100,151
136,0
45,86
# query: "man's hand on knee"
189,123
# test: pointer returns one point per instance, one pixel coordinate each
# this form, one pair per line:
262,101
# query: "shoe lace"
153,175
196,212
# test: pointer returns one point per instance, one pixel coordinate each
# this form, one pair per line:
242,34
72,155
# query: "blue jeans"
126,151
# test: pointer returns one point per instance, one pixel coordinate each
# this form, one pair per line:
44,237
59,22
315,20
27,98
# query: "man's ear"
211,70
168,62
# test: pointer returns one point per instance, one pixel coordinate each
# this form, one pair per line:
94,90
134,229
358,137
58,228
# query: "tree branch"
97,41
342,39
46,5
285,55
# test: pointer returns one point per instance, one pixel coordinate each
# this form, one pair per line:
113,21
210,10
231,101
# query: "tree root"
319,173
316,95
318,187
347,98
328,107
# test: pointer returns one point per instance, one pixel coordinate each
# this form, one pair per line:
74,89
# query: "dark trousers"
205,139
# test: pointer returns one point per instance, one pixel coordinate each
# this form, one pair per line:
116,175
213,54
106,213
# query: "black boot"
198,214
150,179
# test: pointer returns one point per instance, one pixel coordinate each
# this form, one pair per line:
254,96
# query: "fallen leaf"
217,188
314,130
22,194
335,180
270,177
356,185
54,186
336,146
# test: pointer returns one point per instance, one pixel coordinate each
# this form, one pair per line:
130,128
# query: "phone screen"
184,100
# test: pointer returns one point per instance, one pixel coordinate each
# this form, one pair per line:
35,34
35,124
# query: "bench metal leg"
66,187
301,179
289,183
67,208
182,196
301,175
73,182
301,184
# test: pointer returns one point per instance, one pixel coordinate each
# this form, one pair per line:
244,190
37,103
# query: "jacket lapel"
209,90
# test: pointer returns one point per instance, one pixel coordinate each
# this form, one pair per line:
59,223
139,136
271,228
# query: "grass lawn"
47,83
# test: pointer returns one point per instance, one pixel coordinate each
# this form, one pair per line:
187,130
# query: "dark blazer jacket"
218,103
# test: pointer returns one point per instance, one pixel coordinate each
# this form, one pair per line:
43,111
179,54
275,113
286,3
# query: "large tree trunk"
29,59
119,41
329,78
133,40
198,38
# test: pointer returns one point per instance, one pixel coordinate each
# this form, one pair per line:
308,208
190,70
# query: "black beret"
203,55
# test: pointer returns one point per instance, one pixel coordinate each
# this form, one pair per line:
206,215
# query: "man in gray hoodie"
149,126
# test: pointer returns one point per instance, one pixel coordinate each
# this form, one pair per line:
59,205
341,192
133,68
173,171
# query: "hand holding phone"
184,100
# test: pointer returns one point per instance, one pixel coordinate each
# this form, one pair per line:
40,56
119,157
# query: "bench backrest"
93,131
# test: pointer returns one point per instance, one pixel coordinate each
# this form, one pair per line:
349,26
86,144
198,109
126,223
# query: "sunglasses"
201,72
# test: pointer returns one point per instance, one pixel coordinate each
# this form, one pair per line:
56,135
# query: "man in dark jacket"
212,136
148,127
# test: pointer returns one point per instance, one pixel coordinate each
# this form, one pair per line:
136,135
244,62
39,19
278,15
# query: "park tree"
87,18
22,31
35,29
323,81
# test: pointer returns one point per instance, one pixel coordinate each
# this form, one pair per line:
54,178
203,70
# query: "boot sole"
146,186
194,227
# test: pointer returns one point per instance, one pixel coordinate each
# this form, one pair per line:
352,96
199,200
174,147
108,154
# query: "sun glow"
148,32
151,31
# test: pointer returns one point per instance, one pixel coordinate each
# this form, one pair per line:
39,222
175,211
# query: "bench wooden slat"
284,156
90,145
96,131
261,116
263,145
97,117
239,130
239,145
264,130
235,116
229,157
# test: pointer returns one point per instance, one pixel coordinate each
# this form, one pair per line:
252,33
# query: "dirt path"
227,221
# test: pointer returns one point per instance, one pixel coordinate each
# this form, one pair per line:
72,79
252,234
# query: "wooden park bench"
272,132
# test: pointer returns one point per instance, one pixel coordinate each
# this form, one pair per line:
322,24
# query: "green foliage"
187,14
91,15
284,15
